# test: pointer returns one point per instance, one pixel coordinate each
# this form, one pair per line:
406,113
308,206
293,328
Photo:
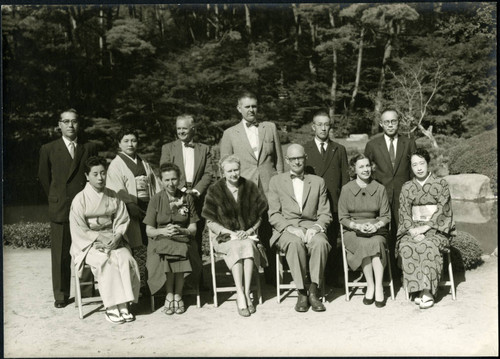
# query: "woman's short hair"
228,159
167,167
124,131
352,164
93,162
423,153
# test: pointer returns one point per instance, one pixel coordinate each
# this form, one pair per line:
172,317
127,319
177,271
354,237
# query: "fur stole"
221,207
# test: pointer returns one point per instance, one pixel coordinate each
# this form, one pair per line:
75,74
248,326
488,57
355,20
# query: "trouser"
334,268
296,253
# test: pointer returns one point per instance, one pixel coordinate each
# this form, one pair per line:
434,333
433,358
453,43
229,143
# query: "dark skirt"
358,248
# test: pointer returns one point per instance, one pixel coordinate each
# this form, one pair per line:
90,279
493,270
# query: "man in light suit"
61,174
391,155
328,159
299,212
257,145
195,162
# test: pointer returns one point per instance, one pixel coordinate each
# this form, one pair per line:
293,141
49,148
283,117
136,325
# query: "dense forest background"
143,65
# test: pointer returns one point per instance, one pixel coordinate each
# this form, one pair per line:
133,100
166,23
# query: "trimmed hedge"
27,234
465,251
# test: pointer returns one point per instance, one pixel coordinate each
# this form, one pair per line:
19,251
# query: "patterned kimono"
93,214
430,205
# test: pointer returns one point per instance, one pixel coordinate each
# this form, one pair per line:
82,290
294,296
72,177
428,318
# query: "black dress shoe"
316,304
367,301
380,304
60,303
302,304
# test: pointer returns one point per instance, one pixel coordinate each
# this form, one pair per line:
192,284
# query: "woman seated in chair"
172,252
425,228
364,213
98,221
233,209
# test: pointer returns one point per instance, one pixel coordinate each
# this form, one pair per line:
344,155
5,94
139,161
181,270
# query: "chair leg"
259,289
278,278
407,294
78,295
391,283
452,279
198,300
152,303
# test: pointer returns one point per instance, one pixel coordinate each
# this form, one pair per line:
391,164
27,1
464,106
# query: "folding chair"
219,289
357,282
78,293
290,287
443,283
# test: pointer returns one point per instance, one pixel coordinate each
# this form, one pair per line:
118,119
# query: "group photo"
282,179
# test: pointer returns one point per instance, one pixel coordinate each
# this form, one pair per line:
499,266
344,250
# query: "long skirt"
358,248
117,275
421,261
236,250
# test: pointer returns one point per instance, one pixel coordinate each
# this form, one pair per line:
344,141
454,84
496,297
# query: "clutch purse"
180,238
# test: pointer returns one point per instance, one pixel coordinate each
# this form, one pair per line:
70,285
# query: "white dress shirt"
388,143
188,156
319,142
253,137
298,190
67,142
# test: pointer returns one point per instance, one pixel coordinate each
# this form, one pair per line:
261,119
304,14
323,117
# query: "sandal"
179,306
114,318
427,304
129,317
168,308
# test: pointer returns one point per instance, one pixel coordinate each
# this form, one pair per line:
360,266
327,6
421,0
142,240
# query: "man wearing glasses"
391,155
61,173
299,212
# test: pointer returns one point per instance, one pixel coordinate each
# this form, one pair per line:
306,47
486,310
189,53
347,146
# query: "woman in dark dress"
364,213
426,227
172,252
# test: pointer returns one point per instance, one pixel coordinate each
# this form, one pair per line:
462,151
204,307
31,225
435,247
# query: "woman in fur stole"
233,209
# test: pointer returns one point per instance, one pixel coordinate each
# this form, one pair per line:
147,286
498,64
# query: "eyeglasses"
292,159
392,122
67,122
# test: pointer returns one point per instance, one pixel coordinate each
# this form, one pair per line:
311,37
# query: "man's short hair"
246,94
389,109
185,116
321,113
72,110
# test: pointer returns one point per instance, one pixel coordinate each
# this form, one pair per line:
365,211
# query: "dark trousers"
334,268
391,244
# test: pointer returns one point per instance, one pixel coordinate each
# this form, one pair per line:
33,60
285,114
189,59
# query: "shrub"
27,234
465,251
477,154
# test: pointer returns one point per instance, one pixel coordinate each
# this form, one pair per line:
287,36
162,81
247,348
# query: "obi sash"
423,213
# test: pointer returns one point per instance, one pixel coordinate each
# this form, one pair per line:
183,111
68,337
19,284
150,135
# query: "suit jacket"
393,179
284,210
334,169
203,172
61,176
270,159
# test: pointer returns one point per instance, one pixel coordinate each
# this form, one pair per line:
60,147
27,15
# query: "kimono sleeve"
405,213
442,219
121,219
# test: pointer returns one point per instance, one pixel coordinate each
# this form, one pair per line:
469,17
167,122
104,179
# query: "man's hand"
311,232
297,231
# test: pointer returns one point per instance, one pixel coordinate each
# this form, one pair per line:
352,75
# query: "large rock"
472,212
357,137
469,186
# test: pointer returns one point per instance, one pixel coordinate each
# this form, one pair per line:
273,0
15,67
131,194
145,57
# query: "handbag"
180,238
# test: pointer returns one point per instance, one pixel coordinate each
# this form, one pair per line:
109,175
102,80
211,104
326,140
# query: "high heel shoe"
367,301
179,306
168,308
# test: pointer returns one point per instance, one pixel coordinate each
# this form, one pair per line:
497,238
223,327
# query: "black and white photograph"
249,179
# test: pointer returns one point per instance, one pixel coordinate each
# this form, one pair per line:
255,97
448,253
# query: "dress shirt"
67,142
319,142
298,190
233,190
188,156
253,137
388,143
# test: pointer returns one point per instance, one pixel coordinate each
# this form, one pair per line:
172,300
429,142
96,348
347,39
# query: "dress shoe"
60,303
244,312
380,304
367,301
316,304
251,308
302,303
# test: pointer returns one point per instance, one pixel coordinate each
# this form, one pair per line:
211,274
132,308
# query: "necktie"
71,148
300,177
323,151
256,124
191,145
392,154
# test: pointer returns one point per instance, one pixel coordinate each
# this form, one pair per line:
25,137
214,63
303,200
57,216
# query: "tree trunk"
428,133
333,89
248,22
381,84
159,19
217,22
208,22
298,28
358,73
101,35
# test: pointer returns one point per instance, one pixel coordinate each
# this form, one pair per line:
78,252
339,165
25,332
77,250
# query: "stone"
358,137
469,187
472,212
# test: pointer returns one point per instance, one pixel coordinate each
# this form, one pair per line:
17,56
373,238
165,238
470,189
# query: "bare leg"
248,271
378,270
179,285
366,264
170,286
237,271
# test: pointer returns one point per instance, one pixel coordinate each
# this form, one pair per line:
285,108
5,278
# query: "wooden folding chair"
443,283
78,293
219,289
288,287
357,283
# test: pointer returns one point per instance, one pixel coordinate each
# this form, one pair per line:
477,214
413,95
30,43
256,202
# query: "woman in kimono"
364,213
98,221
426,226
233,209
133,180
172,251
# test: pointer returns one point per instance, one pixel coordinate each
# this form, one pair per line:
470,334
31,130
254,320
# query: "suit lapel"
330,151
240,130
288,186
80,149
262,132
178,154
399,152
315,157
197,160
385,152
305,192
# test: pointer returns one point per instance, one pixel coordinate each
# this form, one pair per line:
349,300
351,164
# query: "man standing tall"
391,155
61,173
195,162
328,159
257,145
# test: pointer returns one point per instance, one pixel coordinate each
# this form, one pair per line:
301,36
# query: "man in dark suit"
328,159
61,173
300,215
391,155
195,162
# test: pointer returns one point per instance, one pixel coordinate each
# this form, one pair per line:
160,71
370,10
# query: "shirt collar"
245,122
318,142
67,141
371,188
388,139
